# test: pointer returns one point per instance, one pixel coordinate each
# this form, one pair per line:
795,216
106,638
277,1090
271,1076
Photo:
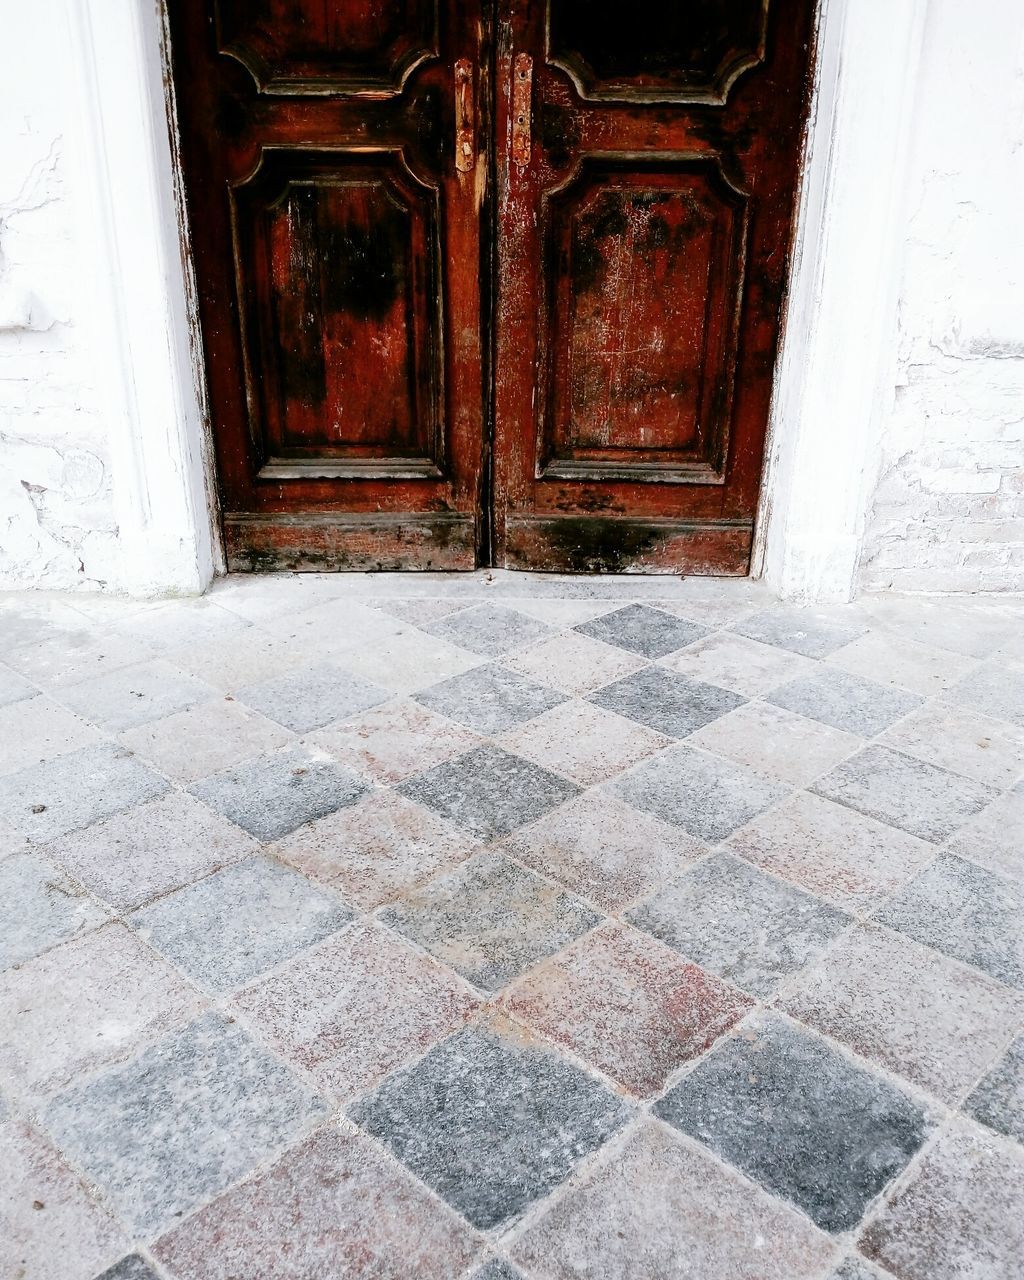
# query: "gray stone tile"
490,699
917,797
270,796
13,688
419,612
959,1214
996,689
663,1209
975,746
39,907
488,792
186,1118
743,925
705,796
734,662
313,697
134,1267
491,1122
908,1008
231,927
490,629
799,1118
643,630
146,852
137,694
51,1227
64,657
845,701
966,912
854,1268
66,794
810,632
38,729
995,837
665,701
497,1269
490,920
335,1206
998,1101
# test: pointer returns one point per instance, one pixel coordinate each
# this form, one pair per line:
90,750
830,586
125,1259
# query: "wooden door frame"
834,372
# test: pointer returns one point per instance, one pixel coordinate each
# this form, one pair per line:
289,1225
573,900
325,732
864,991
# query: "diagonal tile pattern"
643,927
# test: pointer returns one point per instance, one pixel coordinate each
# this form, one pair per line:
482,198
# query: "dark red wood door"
647,165
338,253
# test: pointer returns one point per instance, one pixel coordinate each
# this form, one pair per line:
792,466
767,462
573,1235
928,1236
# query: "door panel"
338,253
642,253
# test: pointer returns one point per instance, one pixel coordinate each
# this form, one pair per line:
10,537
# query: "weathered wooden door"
338,253
491,282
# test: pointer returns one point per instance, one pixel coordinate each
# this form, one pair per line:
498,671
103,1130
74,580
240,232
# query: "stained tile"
229,928
733,662
907,1008
627,1005
39,907
665,1208
891,659
333,1206
52,1228
799,1118
574,663
62,795
742,925
313,697
585,742
812,633
181,1121
640,629
133,1267
995,837
37,729
996,689
409,661
705,796
845,701
395,741
917,797
489,919
488,792
373,851
273,794
835,853
972,745
352,1009
490,699
490,629
998,1101
133,857
666,702
777,743
960,1214
490,1121
83,1004
212,736
966,912
134,695
604,849
13,688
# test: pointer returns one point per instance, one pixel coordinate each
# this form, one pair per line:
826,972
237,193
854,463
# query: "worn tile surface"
891,659
997,689
490,629
995,837
132,1267
490,919
743,925
36,729
313,697
574,663
776,742
845,701
584,742
904,792
491,1122
810,632
639,629
39,907
490,699
627,1005
355,1007
663,1207
134,695
960,1214
181,1121
998,1101
964,742
226,930
732,662
800,1119
665,701
13,688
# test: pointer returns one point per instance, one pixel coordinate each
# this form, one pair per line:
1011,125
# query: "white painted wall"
948,510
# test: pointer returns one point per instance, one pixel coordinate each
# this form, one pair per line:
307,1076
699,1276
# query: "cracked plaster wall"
948,510
57,522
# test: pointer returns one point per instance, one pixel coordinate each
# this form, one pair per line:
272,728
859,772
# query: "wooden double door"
490,281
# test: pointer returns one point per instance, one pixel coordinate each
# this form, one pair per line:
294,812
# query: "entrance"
490,283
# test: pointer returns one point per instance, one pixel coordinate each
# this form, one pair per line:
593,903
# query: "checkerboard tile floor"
498,927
